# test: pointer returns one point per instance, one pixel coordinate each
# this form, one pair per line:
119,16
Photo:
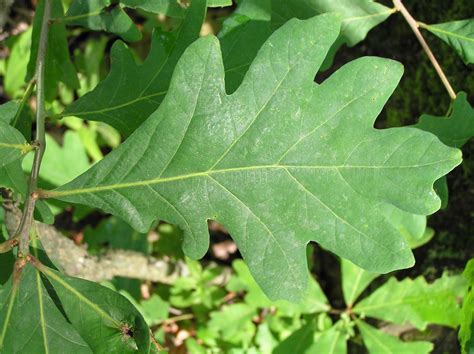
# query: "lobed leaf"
455,131
101,15
130,93
280,162
416,301
458,34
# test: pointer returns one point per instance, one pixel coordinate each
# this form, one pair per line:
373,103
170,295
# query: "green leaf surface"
331,341
115,233
280,162
466,331
171,8
411,226
16,65
63,163
378,342
313,301
232,320
301,341
455,131
12,145
130,93
219,3
106,320
254,21
58,65
101,15
416,301
18,115
458,34
31,322
354,281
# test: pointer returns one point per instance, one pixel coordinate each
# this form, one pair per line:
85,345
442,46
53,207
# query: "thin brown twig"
415,28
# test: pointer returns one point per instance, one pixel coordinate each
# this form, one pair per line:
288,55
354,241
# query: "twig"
415,27
27,217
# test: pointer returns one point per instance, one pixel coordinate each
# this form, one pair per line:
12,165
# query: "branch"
27,219
76,261
415,27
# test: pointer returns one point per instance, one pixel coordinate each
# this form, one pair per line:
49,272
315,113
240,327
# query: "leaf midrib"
208,173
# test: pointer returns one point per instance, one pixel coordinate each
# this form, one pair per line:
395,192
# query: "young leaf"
12,145
30,321
130,93
314,299
300,341
416,301
354,281
331,341
232,321
458,34
254,21
379,342
15,71
280,162
101,15
466,331
58,66
105,319
411,226
454,131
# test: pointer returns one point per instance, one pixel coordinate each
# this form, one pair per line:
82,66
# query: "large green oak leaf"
280,162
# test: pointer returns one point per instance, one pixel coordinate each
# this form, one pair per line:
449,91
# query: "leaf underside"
280,162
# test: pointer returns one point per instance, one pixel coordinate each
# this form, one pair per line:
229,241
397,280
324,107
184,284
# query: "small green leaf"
301,341
458,34
416,301
16,64
331,341
466,331
101,15
233,321
314,299
411,226
279,163
12,145
378,342
354,281
171,8
130,93
106,320
454,131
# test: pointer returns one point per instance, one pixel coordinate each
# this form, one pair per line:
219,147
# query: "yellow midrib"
161,180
